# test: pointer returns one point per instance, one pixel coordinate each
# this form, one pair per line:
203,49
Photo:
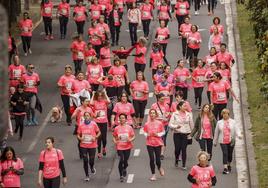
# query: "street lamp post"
3,72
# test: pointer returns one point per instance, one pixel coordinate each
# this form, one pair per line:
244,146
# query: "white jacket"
218,135
179,125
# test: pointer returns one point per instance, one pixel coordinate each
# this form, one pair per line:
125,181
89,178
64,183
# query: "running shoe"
47,37
162,157
25,54
176,163
30,51
93,171
229,168
99,155
183,168
121,179
125,173
104,152
225,171
35,122
29,123
87,178
51,37
153,178
161,171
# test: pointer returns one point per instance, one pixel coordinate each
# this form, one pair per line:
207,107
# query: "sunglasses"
31,67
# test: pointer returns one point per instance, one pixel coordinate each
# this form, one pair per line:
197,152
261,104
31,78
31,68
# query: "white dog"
56,114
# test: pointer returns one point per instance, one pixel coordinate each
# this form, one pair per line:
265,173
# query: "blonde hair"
225,111
200,153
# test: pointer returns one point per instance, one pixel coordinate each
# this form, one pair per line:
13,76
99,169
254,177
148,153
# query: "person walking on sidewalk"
153,131
51,164
225,133
63,13
26,27
123,136
46,12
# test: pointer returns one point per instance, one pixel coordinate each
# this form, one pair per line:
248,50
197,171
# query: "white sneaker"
30,51
93,171
87,178
196,13
25,54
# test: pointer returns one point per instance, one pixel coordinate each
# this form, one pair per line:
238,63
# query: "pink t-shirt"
15,73
125,108
226,75
79,114
138,88
219,91
226,133
106,52
163,12
51,159
139,49
162,34
203,175
154,127
95,11
79,85
174,106
119,73
80,13
47,9
88,132
209,59
182,8
194,40
94,40
206,128
123,133
80,47
100,109
181,76
30,82
67,84
146,11
216,41
64,9
185,29
26,27
220,29
120,4
164,89
116,18
163,117
103,27
11,179
94,72
199,75
225,57
89,54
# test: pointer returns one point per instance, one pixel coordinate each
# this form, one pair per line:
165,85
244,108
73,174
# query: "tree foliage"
259,17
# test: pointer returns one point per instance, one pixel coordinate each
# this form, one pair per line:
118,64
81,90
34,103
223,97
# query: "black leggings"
88,158
208,95
119,90
197,5
48,25
97,49
123,160
66,105
154,155
78,66
146,27
63,25
184,46
105,71
51,182
133,32
19,120
192,53
180,143
103,137
139,107
206,145
198,95
180,20
184,90
115,31
26,43
139,67
227,153
94,87
164,48
217,110
211,5
80,27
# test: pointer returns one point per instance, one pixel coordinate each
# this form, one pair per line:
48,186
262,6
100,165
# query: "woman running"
46,12
182,8
185,30
11,168
26,27
153,131
81,84
99,102
215,39
80,15
105,57
204,129
202,174
63,13
123,136
140,60
211,57
146,16
15,72
139,89
134,20
225,133
89,53
115,22
51,164
216,24
179,98
182,124
163,12
156,57
94,72
88,133
193,43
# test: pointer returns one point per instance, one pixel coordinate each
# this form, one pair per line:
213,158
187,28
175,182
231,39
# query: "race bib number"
48,10
94,72
95,13
63,11
145,14
123,137
89,58
101,113
163,15
17,73
221,96
79,13
68,85
80,55
30,83
103,7
87,139
25,29
182,79
161,37
200,78
139,94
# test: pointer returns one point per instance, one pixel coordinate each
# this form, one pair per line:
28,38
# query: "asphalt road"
49,58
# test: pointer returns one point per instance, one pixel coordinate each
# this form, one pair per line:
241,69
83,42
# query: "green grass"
258,106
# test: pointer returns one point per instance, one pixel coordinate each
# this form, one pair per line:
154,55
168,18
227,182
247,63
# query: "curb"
251,162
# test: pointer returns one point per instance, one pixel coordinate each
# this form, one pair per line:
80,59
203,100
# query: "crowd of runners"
102,99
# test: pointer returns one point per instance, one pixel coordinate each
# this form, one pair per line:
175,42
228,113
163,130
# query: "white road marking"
130,178
136,152
138,30
141,131
151,94
202,29
146,111
38,135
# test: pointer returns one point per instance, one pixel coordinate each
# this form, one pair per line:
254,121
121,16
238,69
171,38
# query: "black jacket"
19,99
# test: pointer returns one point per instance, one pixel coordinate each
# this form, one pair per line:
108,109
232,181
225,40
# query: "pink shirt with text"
123,133
88,132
